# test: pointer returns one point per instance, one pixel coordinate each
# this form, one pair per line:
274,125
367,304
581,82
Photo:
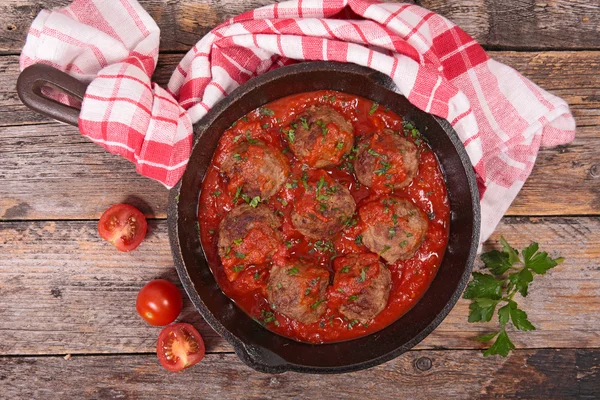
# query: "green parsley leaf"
487,337
496,261
293,271
484,286
358,240
482,310
520,321
501,346
345,269
363,275
352,298
513,255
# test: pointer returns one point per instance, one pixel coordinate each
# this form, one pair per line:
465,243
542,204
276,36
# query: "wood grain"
514,24
64,290
524,24
70,171
532,374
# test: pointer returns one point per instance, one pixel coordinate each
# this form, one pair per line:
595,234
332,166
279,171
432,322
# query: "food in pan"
324,216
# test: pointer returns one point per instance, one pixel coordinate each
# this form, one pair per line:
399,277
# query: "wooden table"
65,291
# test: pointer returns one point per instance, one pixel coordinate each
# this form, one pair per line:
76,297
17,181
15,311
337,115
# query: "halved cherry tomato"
159,302
179,346
123,226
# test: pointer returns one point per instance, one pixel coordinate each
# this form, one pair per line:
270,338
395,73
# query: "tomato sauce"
271,125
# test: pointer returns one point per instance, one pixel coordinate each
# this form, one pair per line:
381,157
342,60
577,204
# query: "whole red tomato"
123,226
159,302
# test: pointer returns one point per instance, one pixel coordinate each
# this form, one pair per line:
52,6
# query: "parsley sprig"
510,274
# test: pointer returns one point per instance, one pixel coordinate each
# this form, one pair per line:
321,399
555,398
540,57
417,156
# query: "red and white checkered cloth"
501,117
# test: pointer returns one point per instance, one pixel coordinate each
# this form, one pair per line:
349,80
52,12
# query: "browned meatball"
254,169
386,161
324,207
363,283
247,236
321,137
297,290
395,227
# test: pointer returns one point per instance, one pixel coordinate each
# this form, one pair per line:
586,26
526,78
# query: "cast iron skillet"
256,346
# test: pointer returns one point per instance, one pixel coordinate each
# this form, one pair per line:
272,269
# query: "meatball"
395,227
386,161
247,236
297,290
363,283
321,137
254,169
324,206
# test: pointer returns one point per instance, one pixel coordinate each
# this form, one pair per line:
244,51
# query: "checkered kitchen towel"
501,117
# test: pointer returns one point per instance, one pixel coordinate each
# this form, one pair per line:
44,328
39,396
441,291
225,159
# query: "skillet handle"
36,76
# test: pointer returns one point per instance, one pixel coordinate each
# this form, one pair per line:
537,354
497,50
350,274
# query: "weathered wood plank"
532,374
525,24
64,290
562,24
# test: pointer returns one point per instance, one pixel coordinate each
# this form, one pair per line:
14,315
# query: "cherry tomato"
179,346
159,302
123,226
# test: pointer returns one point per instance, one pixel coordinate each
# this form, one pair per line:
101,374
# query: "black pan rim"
242,349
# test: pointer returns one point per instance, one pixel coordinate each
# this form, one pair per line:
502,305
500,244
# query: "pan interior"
268,351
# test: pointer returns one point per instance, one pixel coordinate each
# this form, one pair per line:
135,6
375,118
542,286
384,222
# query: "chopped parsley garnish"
291,135
385,167
235,139
358,240
363,275
307,291
345,269
266,111
324,129
339,145
237,157
352,298
254,202
256,276
374,153
216,193
392,232
293,271
211,232
340,290
385,248
292,185
374,108
324,245
352,323
238,192
282,201
304,123
403,243
240,255
249,138
238,241
279,286
316,304
238,268
305,181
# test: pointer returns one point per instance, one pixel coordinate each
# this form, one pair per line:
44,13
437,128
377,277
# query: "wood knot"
11,27
595,171
423,363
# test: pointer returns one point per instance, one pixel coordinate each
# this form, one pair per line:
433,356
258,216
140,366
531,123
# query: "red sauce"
410,278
